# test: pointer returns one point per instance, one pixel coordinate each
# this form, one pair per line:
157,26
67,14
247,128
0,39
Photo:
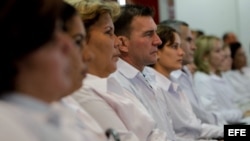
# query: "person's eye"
218,50
149,34
174,46
109,32
78,40
189,39
78,43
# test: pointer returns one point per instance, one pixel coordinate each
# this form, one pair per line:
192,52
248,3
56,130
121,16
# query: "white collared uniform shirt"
185,122
215,95
85,119
120,112
133,81
42,121
240,82
11,124
185,80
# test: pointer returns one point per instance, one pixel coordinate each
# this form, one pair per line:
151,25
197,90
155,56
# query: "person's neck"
34,88
162,70
96,72
135,64
215,71
36,93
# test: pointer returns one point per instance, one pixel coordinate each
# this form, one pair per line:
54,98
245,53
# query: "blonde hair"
205,45
90,10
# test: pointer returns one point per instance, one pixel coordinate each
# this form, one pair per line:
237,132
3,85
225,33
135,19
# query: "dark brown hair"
166,35
25,25
128,12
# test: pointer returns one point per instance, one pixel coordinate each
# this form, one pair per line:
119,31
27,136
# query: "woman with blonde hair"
73,26
214,90
123,112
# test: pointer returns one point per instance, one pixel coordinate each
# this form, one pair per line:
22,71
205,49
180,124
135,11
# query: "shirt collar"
159,79
114,86
27,102
149,73
126,69
176,74
96,82
216,77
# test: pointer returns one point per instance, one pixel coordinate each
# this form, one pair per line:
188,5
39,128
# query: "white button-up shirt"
88,122
156,134
215,95
133,81
185,122
42,121
121,112
11,127
240,82
185,80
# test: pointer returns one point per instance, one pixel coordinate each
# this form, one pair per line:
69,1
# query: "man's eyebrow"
149,31
79,35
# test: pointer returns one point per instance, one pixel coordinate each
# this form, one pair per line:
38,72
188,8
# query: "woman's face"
240,59
227,60
171,56
216,55
45,73
104,44
80,56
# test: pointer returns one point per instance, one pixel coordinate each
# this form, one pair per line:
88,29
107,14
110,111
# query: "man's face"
143,42
187,44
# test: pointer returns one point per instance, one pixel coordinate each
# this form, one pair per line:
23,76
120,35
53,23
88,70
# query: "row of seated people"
232,72
217,79
137,82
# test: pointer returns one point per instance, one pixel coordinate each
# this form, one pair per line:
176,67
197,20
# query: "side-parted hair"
204,45
175,24
90,10
166,35
25,26
128,12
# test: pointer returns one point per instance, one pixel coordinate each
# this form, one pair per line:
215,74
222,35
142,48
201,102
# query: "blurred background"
213,17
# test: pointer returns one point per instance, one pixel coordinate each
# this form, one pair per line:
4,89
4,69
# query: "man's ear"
124,43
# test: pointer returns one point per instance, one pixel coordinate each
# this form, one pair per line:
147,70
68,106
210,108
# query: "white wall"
212,16
216,17
163,9
244,24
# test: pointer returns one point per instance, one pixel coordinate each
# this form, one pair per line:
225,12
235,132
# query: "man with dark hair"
137,31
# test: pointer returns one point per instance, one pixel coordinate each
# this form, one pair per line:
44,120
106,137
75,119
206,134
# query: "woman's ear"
124,43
